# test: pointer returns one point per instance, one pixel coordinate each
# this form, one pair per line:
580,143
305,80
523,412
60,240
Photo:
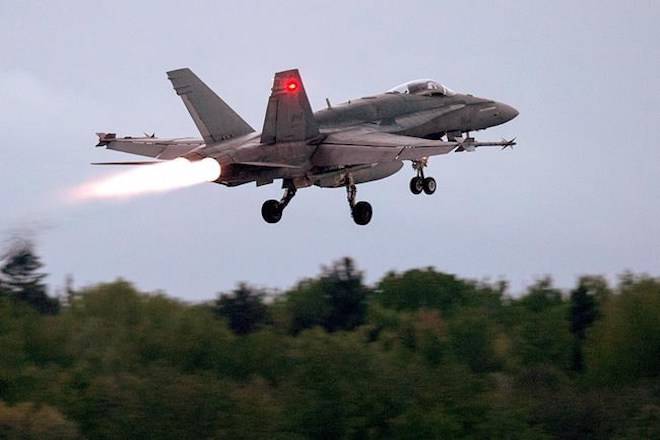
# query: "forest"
420,354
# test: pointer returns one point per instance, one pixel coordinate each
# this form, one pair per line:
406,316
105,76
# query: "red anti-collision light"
292,86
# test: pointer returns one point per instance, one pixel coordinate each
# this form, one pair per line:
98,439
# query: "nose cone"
506,112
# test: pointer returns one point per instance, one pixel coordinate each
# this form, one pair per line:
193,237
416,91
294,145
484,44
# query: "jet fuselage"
358,141
426,115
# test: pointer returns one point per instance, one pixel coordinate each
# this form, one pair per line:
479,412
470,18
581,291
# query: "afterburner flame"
148,179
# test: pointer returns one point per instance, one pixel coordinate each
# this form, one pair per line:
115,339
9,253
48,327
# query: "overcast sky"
580,194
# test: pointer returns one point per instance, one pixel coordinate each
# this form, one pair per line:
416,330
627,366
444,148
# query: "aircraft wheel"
416,185
271,211
362,213
429,185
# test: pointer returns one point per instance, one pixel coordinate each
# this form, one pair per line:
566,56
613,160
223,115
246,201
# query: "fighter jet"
343,145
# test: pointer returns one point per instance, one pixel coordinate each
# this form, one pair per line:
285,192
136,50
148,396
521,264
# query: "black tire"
362,213
271,211
416,185
429,185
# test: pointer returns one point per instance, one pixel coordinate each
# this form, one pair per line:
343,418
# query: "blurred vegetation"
421,354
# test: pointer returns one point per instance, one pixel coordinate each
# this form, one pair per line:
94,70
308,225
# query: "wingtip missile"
105,138
508,144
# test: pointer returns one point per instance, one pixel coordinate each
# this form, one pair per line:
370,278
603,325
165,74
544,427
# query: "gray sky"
581,193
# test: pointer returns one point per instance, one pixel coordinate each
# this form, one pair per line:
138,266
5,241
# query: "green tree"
338,387
254,413
14,347
472,336
645,424
541,296
583,313
416,289
624,345
306,306
455,359
540,331
21,278
243,308
346,294
28,421
337,300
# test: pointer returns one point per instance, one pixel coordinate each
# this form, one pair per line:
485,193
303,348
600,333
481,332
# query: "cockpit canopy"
422,87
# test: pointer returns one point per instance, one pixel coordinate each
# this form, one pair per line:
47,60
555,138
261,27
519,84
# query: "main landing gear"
272,210
420,183
361,211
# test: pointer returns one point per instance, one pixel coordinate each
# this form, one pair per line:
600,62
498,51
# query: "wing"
366,146
164,149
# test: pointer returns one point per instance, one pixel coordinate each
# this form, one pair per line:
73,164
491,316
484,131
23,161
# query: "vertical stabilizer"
289,116
215,120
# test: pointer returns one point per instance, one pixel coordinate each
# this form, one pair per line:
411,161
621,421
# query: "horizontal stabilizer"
144,162
151,146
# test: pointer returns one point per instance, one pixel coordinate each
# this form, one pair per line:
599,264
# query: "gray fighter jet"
343,145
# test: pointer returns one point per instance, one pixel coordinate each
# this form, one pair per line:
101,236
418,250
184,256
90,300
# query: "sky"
580,194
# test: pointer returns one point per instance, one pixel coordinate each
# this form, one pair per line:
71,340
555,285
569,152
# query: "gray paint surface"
580,194
303,148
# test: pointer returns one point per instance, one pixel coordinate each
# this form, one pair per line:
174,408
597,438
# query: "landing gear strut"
361,211
420,183
272,209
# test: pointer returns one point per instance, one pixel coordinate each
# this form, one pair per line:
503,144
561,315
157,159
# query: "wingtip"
174,72
294,71
105,138
509,144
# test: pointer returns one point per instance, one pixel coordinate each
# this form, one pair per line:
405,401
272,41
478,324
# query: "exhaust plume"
149,179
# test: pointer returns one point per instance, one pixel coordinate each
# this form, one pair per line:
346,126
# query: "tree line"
419,354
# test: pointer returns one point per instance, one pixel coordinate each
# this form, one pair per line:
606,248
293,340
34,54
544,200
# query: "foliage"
539,329
335,301
427,288
583,313
21,280
243,308
28,421
421,355
626,342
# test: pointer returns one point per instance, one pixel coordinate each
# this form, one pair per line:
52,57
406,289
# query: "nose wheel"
416,185
272,209
429,185
419,183
360,211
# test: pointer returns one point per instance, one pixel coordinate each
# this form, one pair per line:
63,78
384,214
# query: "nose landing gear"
420,183
429,185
